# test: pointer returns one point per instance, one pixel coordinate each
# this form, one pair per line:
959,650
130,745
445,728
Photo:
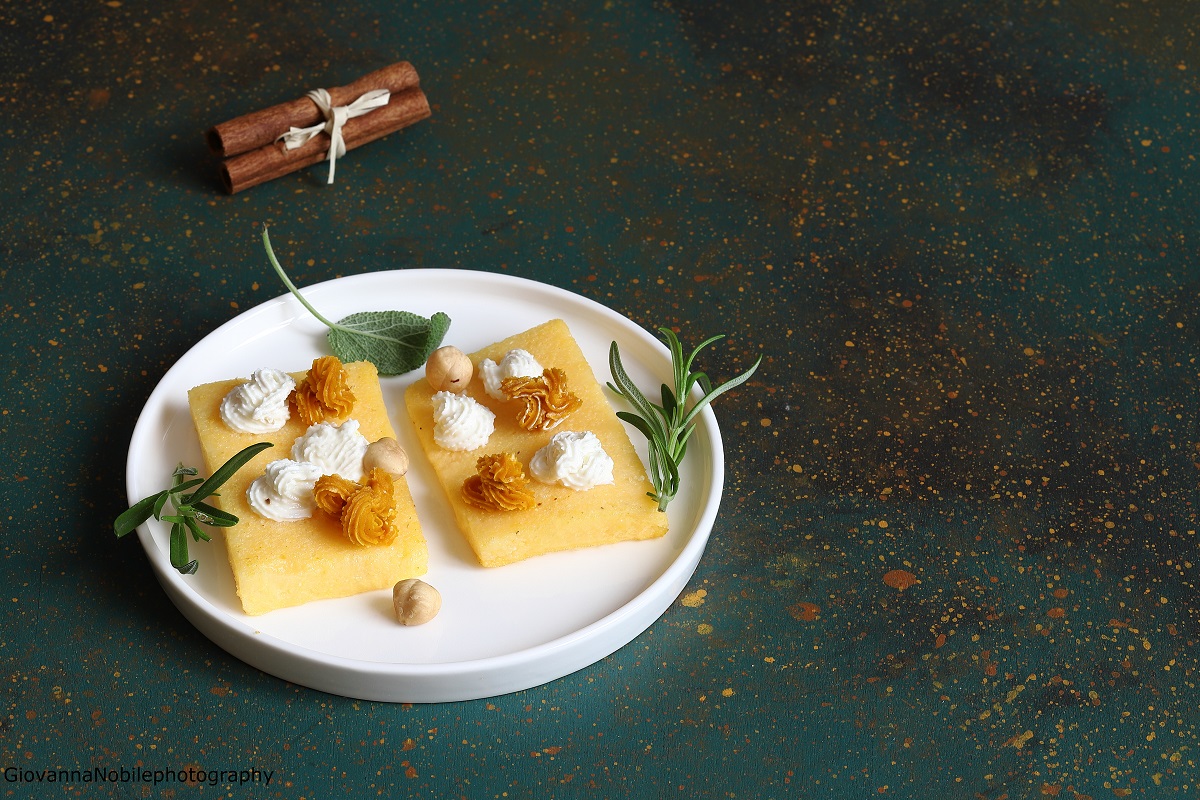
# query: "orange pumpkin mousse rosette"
324,393
280,564
500,485
547,401
365,510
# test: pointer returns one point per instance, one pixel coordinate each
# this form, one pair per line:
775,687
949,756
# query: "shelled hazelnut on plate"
415,602
448,369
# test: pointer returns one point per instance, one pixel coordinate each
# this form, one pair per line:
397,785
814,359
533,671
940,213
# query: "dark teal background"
961,235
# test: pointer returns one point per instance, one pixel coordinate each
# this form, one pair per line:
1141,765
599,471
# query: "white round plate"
500,630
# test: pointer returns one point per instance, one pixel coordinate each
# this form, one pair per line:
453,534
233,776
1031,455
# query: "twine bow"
335,118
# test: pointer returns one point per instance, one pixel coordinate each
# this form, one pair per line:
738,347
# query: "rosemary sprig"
668,426
190,510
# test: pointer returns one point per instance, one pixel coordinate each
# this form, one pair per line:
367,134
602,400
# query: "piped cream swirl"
460,422
575,459
336,449
284,492
261,404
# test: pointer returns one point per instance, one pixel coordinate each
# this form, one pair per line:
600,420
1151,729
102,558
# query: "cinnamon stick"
252,131
273,160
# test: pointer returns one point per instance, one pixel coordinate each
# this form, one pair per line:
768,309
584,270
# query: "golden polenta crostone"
562,519
281,564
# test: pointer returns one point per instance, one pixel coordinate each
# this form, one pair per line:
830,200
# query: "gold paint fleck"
805,611
1019,740
98,98
694,599
899,579
704,629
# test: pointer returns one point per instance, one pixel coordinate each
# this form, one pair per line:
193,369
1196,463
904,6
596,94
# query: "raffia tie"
335,118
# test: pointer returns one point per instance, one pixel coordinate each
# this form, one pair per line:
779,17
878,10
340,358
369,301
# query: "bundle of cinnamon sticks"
252,153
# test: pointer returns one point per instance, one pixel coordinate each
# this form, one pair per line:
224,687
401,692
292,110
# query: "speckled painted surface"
957,552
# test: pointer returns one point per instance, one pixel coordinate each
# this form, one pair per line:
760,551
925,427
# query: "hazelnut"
449,369
415,601
387,455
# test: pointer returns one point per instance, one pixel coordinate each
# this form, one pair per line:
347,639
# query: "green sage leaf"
396,342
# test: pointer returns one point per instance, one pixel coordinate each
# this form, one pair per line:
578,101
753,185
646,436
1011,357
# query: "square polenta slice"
281,564
563,519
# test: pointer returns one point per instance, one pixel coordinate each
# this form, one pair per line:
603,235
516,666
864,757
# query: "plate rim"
419,682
